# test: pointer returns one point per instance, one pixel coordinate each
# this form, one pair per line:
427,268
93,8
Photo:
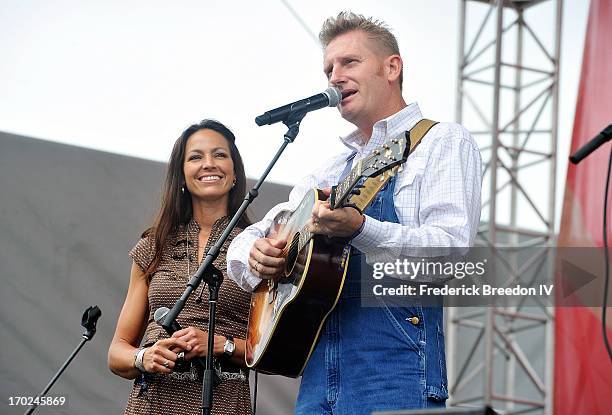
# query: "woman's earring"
234,182
183,189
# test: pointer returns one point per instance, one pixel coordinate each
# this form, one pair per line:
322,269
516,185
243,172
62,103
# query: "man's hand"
266,258
341,222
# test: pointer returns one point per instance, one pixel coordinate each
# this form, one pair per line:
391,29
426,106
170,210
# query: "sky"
128,77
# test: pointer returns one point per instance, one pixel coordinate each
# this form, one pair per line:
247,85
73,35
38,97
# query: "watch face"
229,347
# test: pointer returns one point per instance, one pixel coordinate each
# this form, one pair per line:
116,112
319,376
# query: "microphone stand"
89,321
600,139
603,137
213,277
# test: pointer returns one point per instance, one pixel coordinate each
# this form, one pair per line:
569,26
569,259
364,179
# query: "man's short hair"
377,30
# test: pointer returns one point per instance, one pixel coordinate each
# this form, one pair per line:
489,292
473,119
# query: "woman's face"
208,166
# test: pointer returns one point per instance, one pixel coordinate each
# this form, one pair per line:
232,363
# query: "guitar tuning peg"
382,178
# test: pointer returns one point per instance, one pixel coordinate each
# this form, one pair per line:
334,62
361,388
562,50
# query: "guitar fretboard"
346,185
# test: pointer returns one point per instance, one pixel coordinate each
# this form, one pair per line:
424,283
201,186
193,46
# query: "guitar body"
287,315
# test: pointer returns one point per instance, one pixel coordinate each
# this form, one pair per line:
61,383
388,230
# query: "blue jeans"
375,358
371,359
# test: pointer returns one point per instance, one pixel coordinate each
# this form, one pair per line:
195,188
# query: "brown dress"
181,393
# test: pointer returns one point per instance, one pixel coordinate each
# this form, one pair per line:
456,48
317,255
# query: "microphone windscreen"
334,94
160,314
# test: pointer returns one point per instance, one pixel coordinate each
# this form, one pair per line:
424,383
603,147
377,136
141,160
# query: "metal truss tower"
508,85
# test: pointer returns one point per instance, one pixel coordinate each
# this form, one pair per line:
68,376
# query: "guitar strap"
419,130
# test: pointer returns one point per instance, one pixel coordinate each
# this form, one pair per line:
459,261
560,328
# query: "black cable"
255,395
607,260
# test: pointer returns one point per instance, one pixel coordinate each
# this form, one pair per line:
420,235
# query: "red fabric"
583,371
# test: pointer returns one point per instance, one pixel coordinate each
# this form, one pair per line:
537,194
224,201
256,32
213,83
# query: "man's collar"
391,126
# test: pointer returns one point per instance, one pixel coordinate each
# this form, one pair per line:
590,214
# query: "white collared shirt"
436,197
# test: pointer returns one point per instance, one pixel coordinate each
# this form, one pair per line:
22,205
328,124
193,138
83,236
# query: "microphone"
328,98
599,140
160,315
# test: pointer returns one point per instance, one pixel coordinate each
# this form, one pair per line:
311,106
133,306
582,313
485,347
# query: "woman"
205,185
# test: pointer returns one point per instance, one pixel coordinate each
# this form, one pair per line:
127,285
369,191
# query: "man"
376,358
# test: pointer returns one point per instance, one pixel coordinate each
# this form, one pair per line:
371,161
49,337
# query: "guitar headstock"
392,153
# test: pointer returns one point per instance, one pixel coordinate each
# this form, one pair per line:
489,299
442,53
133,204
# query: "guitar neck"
343,189
371,186
367,191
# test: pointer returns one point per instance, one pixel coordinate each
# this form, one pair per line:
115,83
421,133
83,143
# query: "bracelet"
138,359
358,231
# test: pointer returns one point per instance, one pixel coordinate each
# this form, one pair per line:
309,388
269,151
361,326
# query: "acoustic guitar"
287,314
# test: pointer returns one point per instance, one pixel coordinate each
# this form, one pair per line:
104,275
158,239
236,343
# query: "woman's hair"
176,207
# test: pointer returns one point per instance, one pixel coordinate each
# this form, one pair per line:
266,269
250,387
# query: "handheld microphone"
181,364
328,98
160,315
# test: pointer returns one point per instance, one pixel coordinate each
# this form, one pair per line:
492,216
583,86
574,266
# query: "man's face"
352,64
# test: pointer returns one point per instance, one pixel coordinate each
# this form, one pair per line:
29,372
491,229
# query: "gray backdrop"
68,218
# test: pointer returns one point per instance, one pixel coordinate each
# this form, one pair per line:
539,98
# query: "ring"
166,364
257,266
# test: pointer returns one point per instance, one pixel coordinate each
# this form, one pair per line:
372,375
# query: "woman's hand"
198,342
161,357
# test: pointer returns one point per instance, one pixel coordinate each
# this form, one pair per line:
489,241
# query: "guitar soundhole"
292,254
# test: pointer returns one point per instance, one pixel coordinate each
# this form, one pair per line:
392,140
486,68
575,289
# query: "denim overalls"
375,358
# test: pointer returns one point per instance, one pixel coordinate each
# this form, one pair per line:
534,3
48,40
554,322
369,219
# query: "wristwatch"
229,347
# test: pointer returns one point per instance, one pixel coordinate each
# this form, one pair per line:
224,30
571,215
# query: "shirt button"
414,320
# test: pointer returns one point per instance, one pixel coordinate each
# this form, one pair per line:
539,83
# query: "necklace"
198,300
187,250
